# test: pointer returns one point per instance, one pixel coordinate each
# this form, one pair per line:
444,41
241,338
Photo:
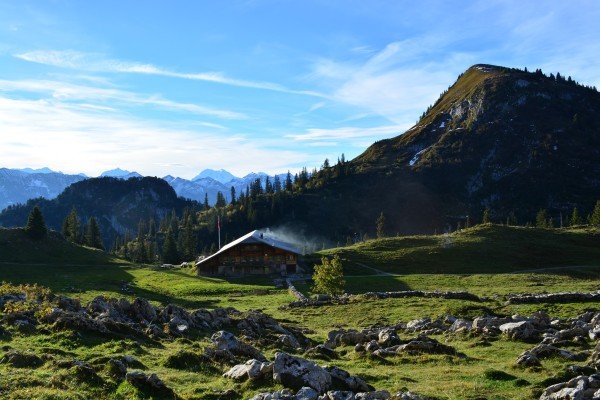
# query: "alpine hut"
252,254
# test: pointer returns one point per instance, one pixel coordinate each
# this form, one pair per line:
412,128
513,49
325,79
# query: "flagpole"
219,229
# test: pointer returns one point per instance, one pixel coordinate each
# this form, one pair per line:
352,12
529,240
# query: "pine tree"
221,202
71,227
233,195
595,216
575,218
141,253
541,219
380,226
206,206
92,235
36,227
289,185
486,216
152,228
170,255
329,276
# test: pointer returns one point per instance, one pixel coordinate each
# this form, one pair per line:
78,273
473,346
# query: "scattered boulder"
227,341
116,369
523,330
296,373
579,388
532,357
149,384
251,369
342,380
322,351
20,359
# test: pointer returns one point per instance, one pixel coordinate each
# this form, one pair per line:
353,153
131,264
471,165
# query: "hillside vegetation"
481,249
16,247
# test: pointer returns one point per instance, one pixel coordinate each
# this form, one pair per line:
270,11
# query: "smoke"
306,243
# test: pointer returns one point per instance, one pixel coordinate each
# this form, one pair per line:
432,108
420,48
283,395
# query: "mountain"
218,175
44,170
120,173
17,186
197,189
510,140
117,204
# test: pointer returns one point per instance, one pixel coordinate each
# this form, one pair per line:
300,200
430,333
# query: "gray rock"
224,340
522,330
296,373
307,393
251,369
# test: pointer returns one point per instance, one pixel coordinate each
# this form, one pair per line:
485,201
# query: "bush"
329,276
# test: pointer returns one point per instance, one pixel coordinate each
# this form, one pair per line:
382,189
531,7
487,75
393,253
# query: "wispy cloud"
395,82
100,63
73,139
321,135
68,91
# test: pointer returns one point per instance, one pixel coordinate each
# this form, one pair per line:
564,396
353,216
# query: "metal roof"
255,237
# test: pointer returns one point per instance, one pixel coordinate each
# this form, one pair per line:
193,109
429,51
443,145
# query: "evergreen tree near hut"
36,226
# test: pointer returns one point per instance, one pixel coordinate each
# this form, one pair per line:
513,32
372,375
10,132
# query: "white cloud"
72,139
396,82
67,91
97,62
320,136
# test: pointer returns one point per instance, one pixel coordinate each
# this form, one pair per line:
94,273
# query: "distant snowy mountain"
20,185
121,173
17,186
218,175
197,189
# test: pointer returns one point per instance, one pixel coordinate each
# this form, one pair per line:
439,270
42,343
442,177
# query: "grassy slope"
441,376
16,247
481,249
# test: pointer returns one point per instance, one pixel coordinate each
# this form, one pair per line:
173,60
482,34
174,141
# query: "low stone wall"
295,292
564,297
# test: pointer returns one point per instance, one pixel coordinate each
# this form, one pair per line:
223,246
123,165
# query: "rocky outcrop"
578,388
250,370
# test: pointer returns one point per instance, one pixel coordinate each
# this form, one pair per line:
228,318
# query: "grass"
17,247
481,249
487,371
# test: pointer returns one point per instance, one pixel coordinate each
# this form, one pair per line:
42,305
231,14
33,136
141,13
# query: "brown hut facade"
253,254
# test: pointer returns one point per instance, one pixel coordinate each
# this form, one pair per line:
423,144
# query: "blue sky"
175,87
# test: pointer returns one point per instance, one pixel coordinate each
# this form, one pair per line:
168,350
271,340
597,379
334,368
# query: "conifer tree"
152,228
541,219
232,195
575,218
595,216
486,216
170,255
141,253
381,226
206,206
221,202
36,227
71,227
92,235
